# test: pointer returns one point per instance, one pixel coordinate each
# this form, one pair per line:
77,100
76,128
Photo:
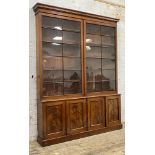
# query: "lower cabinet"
71,118
113,110
76,116
55,125
96,113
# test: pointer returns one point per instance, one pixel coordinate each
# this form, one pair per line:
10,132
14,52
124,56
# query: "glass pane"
93,51
94,86
50,35
61,50
94,75
72,87
51,88
52,49
72,63
108,74
108,64
72,75
100,58
113,85
71,50
71,37
51,22
52,75
93,64
93,29
108,85
71,25
93,39
108,52
52,63
109,31
106,40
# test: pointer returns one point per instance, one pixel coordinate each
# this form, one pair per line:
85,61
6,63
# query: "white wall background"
109,8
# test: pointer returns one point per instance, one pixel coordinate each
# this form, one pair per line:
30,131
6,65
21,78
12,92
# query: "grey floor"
110,143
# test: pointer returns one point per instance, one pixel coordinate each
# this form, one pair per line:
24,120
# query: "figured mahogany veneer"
76,74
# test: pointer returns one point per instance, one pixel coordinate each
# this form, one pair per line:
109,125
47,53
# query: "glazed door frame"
40,58
84,49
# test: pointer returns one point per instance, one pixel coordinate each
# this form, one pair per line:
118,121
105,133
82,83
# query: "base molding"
46,142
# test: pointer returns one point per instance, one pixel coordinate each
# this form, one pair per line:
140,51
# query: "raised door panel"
113,112
76,116
96,113
55,119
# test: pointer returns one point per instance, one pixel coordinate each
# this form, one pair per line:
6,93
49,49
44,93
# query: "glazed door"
55,119
76,116
61,56
96,113
100,51
113,112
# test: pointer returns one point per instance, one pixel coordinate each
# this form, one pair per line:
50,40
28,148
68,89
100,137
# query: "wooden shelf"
68,43
48,69
99,58
68,30
106,35
99,81
64,56
100,45
53,81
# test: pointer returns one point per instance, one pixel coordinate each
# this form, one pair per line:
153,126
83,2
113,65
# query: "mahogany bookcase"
76,74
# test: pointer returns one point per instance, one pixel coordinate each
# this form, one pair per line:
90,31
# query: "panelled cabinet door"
96,113
76,116
113,112
55,119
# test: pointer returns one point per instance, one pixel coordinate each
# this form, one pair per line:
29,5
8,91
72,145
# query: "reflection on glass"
94,75
72,75
108,64
51,88
93,29
71,37
52,63
108,85
109,31
94,52
93,39
108,74
72,63
52,75
93,64
61,41
108,52
53,49
94,86
50,35
106,40
72,87
71,25
100,54
71,50
51,22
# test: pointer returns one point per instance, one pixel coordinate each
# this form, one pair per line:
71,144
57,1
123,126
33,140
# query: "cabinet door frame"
103,113
55,134
84,50
40,58
113,123
68,117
